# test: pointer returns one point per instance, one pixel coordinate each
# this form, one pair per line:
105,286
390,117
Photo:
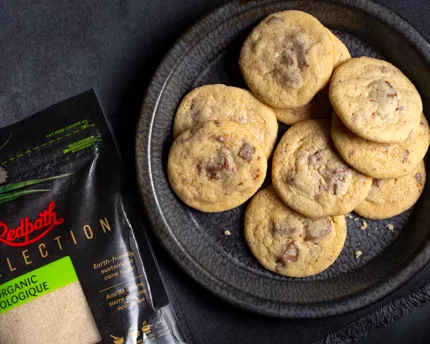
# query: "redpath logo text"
28,231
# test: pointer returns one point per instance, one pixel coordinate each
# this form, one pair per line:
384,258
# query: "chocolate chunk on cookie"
319,106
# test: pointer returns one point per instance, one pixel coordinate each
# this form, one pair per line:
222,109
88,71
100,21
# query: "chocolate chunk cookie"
216,166
288,243
287,59
309,175
375,100
381,160
220,102
390,197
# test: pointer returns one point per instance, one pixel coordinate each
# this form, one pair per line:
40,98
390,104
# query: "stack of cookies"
224,137
357,142
379,129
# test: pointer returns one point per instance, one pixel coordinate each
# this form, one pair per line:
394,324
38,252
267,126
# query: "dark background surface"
51,50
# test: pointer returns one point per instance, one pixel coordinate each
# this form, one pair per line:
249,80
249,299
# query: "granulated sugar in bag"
66,306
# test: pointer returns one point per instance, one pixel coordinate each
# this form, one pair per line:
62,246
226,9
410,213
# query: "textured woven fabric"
51,50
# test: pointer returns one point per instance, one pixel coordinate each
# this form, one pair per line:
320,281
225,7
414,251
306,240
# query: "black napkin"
203,318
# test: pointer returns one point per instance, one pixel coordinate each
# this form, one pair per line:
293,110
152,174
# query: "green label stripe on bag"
36,283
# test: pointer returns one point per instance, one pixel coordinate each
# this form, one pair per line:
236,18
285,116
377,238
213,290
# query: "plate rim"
147,192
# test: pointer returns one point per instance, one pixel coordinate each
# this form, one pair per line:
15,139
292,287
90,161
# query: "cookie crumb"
350,216
390,227
227,232
356,219
364,226
358,254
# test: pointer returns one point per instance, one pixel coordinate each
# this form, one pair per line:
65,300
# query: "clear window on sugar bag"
61,316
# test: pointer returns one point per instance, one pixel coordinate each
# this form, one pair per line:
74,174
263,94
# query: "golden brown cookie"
216,166
341,52
220,102
381,160
390,197
375,100
318,107
287,59
309,175
288,243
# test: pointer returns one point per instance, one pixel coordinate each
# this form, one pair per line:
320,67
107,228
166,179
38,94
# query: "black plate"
208,53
